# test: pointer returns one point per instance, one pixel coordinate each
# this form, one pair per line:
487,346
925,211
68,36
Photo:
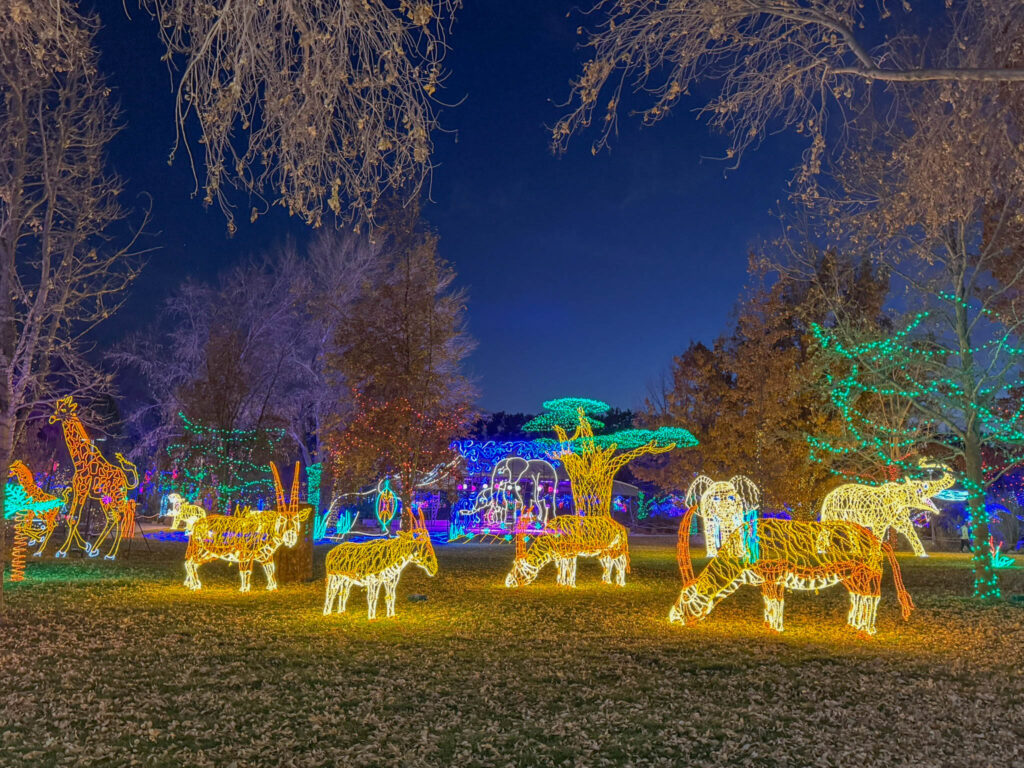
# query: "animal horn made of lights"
790,558
566,538
247,537
95,478
889,505
724,505
378,563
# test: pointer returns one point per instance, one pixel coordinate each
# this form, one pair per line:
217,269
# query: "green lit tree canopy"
564,412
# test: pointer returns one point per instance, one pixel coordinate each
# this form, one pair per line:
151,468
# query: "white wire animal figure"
724,505
890,505
183,514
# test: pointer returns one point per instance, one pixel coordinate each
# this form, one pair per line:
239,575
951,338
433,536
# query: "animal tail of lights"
683,546
906,602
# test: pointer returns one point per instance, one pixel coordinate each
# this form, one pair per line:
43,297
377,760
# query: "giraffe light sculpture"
95,478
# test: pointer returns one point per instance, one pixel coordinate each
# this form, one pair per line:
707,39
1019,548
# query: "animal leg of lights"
269,568
390,589
773,608
245,575
333,587
18,553
372,595
607,566
622,562
862,612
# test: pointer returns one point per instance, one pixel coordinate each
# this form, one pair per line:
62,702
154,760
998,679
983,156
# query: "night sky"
586,274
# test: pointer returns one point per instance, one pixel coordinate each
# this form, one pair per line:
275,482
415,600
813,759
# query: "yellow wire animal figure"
248,537
183,514
787,556
375,564
566,538
724,505
890,505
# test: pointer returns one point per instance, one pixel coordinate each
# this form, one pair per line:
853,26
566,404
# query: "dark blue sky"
586,274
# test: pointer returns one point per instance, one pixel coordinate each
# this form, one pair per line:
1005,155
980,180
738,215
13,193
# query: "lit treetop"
592,461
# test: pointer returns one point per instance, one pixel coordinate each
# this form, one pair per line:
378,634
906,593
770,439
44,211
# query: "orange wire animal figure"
95,478
247,537
375,564
566,538
789,558
36,527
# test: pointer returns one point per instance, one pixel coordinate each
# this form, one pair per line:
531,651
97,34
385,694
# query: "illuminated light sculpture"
566,538
724,505
35,509
890,505
591,461
95,478
387,504
183,514
247,537
791,556
999,560
375,564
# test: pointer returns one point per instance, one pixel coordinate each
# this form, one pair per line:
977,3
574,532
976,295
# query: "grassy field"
117,664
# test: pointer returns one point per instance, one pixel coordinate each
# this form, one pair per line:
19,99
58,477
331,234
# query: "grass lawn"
118,664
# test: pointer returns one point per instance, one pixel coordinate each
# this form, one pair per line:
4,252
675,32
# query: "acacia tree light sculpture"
591,461
375,564
794,555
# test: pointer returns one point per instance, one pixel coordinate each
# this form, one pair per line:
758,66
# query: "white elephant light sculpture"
724,505
889,505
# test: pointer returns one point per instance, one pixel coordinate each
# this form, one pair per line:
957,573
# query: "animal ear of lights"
890,505
724,505
566,538
375,564
247,537
794,555
95,478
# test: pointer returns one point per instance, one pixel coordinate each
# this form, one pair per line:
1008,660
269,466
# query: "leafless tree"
251,351
318,104
60,274
777,63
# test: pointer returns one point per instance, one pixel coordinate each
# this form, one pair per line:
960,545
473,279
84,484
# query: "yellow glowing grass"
485,676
